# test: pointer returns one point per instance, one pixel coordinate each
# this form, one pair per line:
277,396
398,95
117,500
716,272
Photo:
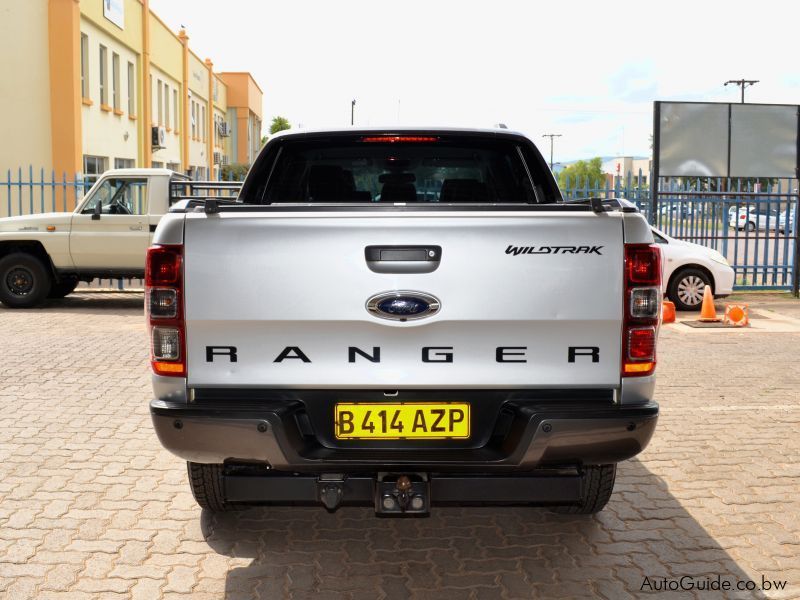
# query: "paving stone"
91,506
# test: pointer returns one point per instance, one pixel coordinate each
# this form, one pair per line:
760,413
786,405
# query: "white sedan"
688,268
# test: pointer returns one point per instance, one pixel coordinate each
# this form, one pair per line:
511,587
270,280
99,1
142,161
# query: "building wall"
166,71
247,99
198,134
130,35
166,117
107,131
51,121
24,87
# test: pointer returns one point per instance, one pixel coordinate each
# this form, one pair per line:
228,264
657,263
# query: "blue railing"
754,226
30,191
762,252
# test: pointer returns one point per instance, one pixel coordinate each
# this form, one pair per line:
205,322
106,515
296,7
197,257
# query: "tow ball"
402,495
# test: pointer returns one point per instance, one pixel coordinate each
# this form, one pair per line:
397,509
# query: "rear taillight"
164,305
642,309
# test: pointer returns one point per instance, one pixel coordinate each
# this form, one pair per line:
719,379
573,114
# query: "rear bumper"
535,435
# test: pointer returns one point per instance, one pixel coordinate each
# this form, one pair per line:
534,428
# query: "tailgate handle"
403,259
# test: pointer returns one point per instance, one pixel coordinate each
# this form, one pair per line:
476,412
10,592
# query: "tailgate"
286,293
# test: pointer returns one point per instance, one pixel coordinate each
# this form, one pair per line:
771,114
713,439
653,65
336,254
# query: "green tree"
234,172
579,172
279,124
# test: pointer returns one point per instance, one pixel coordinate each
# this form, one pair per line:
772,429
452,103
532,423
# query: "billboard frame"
656,168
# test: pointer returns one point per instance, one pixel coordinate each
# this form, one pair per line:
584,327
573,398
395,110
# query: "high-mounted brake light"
164,305
393,139
642,309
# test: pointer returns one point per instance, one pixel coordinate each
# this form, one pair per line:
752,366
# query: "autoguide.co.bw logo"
708,584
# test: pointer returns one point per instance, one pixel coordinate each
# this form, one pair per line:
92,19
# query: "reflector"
642,343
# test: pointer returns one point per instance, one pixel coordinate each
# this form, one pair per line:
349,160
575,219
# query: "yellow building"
112,86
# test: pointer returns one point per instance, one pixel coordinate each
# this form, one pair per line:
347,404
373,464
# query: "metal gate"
755,229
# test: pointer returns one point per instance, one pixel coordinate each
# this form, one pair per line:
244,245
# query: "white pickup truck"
106,236
403,318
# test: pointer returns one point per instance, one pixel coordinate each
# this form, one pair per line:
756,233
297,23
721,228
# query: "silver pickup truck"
403,318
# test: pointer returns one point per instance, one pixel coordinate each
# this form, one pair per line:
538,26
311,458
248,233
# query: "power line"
551,136
743,83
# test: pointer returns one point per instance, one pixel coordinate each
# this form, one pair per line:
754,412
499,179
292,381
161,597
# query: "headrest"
397,178
463,190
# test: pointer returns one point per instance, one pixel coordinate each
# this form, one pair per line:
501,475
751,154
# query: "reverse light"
645,302
163,302
642,309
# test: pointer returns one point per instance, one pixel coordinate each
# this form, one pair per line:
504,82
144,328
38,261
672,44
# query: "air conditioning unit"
159,137
225,160
224,130
217,158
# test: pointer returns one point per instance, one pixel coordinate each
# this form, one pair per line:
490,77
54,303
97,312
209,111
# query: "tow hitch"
394,494
401,494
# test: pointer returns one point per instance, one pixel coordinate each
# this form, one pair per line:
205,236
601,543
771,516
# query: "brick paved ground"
91,507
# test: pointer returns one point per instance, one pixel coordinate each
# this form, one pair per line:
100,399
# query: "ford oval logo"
403,305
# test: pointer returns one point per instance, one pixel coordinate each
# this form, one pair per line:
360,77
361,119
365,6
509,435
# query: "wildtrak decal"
517,250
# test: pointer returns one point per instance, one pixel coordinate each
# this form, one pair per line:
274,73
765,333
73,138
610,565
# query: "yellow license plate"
401,421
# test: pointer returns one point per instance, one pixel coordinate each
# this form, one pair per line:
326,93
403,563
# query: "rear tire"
598,485
206,484
750,226
686,288
63,288
24,280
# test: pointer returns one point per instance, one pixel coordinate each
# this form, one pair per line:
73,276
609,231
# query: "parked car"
46,255
787,217
677,210
688,268
754,217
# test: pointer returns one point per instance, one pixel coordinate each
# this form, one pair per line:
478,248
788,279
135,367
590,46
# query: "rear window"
393,169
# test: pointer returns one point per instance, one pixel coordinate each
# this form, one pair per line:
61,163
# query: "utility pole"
743,83
551,136
352,111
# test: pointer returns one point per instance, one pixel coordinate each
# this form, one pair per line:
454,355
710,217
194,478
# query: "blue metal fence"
754,227
30,191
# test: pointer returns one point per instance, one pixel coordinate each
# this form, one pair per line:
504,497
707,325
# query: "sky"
587,70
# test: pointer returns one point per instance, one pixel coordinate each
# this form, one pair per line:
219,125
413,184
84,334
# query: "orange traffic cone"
708,314
736,315
668,312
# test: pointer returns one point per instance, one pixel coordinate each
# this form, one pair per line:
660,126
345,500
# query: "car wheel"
206,484
24,280
750,226
686,288
597,485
